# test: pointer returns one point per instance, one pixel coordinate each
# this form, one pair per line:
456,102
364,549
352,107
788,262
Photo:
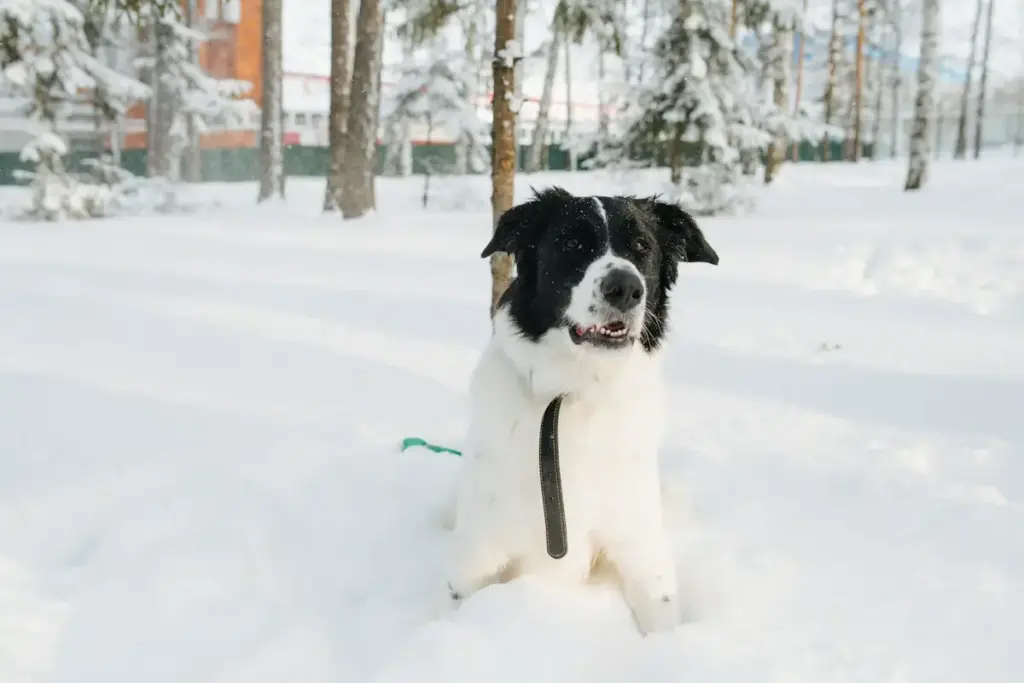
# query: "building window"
300,119
318,120
211,9
231,11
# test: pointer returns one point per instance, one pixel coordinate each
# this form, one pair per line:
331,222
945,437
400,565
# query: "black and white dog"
586,317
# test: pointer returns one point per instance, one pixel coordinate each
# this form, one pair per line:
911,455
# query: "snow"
200,418
45,143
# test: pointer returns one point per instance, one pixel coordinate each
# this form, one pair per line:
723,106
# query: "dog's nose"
622,289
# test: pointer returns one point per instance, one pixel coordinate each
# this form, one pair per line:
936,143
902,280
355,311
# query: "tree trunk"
159,109
338,117
115,142
858,97
782,34
924,103
164,162
979,119
428,170
361,134
960,151
372,147
897,79
272,116
602,103
675,155
193,166
464,145
570,147
644,29
799,76
830,88
503,141
540,129
1018,138
734,18
879,83
521,12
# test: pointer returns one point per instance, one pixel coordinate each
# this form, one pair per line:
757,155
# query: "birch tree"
338,116
896,15
858,111
800,58
272,116
960,151
782,37
878,32
361,133
834,54
507,53
540,128
570,147
924,103
979,119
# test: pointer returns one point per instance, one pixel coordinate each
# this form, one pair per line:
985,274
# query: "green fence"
242,164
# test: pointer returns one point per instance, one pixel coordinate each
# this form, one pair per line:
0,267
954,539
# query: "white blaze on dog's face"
606,309
598,268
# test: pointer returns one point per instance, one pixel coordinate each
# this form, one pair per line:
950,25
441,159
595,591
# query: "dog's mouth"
611,335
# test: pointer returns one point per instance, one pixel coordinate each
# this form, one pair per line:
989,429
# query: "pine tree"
507,52
48,56
272,117
185,91
432,92
924,103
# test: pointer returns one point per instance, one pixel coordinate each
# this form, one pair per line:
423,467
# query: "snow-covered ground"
200,479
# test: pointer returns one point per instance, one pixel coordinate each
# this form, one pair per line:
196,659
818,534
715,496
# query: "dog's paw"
655,613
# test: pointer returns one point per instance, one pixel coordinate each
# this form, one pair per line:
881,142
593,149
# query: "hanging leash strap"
551,482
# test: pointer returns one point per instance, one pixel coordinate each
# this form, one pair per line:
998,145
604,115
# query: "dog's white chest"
607,442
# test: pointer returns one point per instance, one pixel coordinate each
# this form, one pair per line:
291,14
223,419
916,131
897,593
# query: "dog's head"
599,268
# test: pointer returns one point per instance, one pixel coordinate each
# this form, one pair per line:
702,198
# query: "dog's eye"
640,246
572,244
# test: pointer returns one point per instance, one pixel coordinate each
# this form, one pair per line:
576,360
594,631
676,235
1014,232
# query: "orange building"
233,49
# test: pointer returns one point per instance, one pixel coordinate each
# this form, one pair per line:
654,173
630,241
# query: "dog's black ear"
520,226
680,235
512,230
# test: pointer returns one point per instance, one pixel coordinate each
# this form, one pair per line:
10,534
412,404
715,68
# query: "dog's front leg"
646,566
476,563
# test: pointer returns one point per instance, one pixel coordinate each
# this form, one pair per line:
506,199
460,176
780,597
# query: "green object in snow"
414,441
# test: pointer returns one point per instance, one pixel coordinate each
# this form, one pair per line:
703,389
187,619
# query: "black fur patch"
536,233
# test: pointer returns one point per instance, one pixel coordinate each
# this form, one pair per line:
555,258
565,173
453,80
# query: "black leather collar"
551,482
